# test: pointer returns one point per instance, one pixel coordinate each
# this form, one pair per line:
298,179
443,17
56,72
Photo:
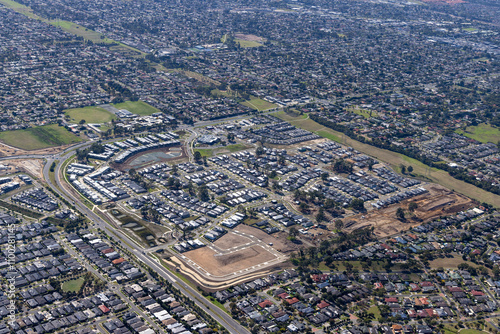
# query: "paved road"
222,317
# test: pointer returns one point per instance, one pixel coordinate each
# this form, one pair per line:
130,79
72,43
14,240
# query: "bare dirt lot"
231,240
30,166
279,240
439,201
221,265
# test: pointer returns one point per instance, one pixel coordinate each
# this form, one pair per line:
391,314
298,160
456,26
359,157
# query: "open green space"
137,107
209,152
39,137
247,44
90,115
396,159
363,112
82,31
73,285
375,311
19,8
258,104
485,133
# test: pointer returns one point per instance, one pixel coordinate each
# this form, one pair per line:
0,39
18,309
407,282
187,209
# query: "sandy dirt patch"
231,240
9,151
438,201
30,166
221,265
279,239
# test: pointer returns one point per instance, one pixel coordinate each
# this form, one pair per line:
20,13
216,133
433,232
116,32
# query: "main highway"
60,187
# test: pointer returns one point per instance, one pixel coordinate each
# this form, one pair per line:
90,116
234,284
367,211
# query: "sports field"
137,107
247,44
90,115
39,137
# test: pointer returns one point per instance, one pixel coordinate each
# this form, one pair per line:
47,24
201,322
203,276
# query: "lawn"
259,104
90,115
19,8
483,132
330,136
395,159
363,112
73,285
39,137
449,263
375,311
137,107
208,152
247,44
81,31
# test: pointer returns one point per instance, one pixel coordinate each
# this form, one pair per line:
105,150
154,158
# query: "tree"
281,160
230,136
321,215
410,169
203,193
400,213
81,122
324,176
412,206
358,204
339,224
303,207
403,169
259,151
197,156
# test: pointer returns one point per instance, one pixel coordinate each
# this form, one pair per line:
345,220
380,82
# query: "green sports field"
39,137
90,115
137,107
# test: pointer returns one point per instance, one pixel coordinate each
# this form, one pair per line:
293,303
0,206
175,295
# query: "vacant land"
259,104
484,133
248,41
231,240
39,137
247,44
395,160
222,265
19,8
73,285
90,115
279,239
137,107
82,31
437,202
208,152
